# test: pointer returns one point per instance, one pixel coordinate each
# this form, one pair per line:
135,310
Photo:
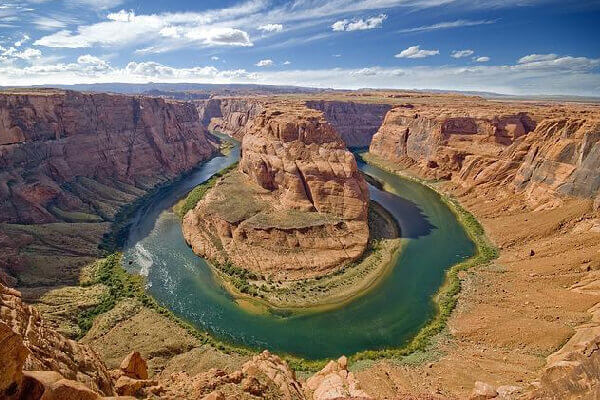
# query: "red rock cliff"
49,139
228,115
355,122
544,154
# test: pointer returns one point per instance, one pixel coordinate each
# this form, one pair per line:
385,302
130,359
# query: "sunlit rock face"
541,152
305,208
51,138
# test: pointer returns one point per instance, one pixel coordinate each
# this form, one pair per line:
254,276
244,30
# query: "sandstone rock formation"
334,382
296,208
134,366
228,115
355,122
62,152
544,153
264,376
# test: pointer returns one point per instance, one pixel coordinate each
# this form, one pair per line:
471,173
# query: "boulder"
134,366
66,389
483,391
334,381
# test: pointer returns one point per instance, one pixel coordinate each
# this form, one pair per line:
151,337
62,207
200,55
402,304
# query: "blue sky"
508,46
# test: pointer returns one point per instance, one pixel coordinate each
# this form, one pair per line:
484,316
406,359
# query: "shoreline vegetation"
123,285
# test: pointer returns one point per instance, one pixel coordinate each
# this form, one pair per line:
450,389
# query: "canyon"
525,326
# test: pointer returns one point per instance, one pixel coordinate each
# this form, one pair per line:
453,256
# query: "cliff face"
305,203
563,157
228,115
63,151
495,148
355,122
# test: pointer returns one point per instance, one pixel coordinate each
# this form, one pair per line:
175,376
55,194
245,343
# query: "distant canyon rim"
72,164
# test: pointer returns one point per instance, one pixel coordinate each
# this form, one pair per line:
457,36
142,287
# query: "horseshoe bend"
297,244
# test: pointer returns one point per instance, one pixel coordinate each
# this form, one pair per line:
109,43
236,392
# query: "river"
387,316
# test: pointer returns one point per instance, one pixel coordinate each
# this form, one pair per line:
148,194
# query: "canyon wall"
355,122
65,152
545,155
228,115
304,211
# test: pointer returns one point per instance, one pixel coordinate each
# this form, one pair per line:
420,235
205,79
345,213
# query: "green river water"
387,316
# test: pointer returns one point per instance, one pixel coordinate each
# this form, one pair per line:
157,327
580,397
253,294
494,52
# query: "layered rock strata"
38,363
228,115
296,208
545,155
63,152
28,343
355,122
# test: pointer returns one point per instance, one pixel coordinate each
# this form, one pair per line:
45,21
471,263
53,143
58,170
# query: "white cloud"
287,62
336,55
461,53
416,52
563,75
155,33
482,59
536,58
47,23
214,58
12,53
96,4
359,24
447,25
554,62
20,42
264,63
271,28
122,16
88,59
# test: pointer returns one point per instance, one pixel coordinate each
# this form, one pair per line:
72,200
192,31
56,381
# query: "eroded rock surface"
542,152
228,115
63,152
334,381
296,208
27,334
355,122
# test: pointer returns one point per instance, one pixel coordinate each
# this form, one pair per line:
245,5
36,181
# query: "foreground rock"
335,382
30,344
297,207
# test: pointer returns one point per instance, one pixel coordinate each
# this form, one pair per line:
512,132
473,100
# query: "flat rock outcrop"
62,152
304,207
355,122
